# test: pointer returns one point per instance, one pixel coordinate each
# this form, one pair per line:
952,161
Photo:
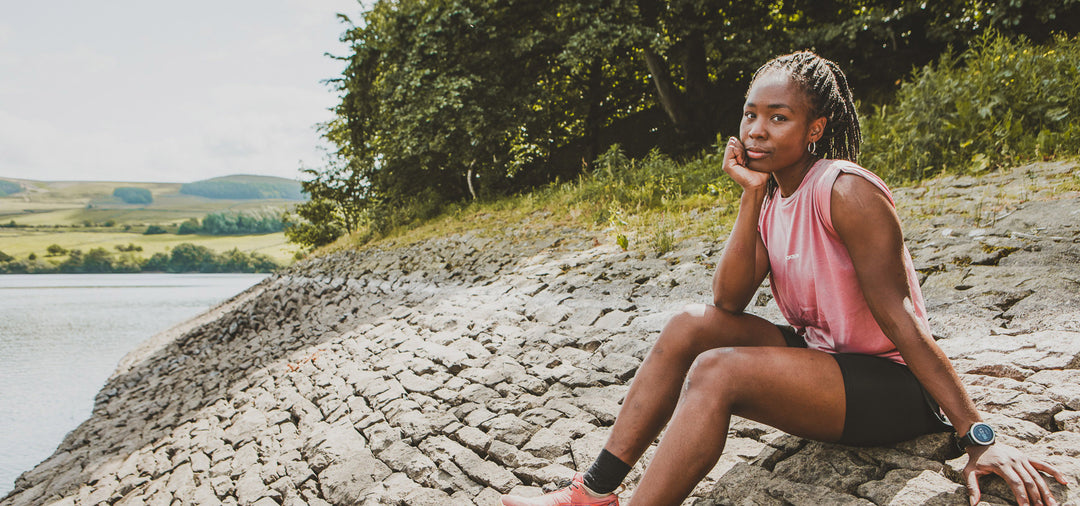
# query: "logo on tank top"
792,256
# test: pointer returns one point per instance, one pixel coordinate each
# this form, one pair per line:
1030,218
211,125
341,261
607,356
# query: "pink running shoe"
572,495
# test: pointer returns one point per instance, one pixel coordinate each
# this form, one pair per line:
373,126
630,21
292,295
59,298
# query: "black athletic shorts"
885,403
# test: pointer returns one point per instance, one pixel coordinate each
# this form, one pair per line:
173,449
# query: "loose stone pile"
454,370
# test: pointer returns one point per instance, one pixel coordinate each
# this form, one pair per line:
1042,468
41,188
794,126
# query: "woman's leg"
655,388
798,391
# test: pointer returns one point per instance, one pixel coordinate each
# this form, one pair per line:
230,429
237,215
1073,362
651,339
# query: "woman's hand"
1019,471
735,166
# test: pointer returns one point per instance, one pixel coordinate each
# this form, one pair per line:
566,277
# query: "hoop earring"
812,147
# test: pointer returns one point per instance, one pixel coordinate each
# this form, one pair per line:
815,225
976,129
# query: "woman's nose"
755,129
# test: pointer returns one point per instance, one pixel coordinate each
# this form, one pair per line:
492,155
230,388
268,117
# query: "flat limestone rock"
460,368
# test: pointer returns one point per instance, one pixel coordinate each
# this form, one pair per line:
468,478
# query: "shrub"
1000,102
133,195
241,223
191,226
55,250
154,229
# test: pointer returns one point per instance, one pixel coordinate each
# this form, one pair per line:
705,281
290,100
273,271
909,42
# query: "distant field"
19,243
75,215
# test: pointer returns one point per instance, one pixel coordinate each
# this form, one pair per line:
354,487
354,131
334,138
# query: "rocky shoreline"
457,369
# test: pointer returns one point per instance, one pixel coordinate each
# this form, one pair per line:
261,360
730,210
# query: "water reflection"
61,336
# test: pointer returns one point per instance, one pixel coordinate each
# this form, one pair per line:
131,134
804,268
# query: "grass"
653,203
653,222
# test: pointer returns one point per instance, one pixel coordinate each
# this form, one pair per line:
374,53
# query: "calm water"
62,335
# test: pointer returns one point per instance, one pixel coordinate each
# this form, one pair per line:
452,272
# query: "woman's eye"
748,115
779,117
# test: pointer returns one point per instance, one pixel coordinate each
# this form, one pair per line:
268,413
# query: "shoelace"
567,482
563,483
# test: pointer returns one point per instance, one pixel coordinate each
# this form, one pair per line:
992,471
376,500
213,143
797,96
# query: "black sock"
606,473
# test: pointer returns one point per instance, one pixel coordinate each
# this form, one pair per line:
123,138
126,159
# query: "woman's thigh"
702,327
796,390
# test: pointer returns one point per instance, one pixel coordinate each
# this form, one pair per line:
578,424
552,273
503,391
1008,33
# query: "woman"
858,365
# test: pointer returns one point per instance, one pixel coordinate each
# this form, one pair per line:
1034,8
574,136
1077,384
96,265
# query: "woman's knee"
694,324
715,372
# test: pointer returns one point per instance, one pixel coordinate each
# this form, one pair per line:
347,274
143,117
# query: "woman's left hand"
1019,471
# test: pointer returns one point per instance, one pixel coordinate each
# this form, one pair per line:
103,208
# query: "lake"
62,335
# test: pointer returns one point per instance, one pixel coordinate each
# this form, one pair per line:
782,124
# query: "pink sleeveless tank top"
811,274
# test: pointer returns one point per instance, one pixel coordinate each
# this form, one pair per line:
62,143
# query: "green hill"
9,188
241,187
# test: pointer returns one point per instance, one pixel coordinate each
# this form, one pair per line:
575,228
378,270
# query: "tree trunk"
592,113
701,113
468,179
670,97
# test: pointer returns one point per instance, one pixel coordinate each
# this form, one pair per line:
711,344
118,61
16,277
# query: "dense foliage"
1000,102
9,188
450,100
244,188
133,195
234,223
184,257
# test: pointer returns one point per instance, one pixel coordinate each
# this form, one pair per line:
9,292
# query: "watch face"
982,434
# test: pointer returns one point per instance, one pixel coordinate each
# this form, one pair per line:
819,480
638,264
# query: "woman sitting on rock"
858,365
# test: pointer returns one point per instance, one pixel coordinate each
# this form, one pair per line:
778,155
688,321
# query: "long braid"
827,88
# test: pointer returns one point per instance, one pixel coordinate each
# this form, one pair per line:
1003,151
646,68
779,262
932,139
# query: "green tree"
338,197
154,230
4,257
158,262
97,260
55,250
73,263
456,99
187,257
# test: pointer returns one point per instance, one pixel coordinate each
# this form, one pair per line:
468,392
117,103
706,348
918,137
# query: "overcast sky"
144,90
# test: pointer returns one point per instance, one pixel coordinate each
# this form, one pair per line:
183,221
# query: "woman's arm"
745,262
870,229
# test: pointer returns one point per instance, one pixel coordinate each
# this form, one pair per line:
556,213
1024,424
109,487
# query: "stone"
333,443
750,485
427,497
347,481
250,487
622,366
486,472
905,487
1068,420
403,457
847,469
547,444
510,429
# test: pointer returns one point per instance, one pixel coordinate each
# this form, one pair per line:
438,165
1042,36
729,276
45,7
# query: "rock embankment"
454,370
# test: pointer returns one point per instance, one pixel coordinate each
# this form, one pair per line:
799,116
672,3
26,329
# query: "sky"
137,90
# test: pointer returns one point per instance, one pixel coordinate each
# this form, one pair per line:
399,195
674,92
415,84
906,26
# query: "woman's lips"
755,155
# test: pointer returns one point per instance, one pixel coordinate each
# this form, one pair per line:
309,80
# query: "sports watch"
979,434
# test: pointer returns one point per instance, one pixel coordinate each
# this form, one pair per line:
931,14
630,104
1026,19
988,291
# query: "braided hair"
829,95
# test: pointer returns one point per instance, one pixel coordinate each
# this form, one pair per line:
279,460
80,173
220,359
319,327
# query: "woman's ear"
817,128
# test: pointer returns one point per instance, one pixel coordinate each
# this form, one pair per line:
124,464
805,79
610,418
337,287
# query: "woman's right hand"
735,166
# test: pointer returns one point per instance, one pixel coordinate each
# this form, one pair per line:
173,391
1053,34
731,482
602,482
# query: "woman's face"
776,125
